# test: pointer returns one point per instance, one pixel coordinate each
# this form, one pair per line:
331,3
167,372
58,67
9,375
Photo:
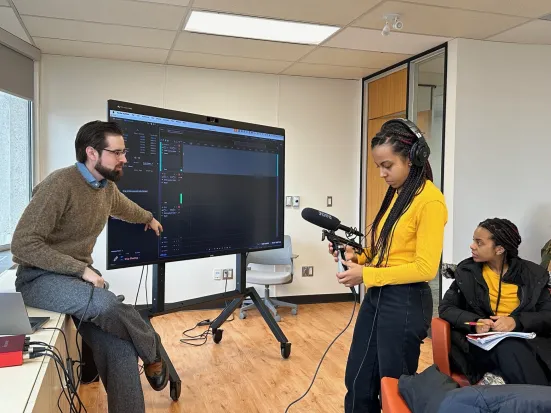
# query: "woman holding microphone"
404,253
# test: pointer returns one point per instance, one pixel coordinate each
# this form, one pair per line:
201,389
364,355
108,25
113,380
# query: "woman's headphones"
420,151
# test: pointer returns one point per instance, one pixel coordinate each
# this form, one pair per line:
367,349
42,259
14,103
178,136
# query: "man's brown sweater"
58,229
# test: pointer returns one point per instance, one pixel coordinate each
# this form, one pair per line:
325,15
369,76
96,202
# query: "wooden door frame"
364,122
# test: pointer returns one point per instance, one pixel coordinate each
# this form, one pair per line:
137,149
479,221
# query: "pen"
473,323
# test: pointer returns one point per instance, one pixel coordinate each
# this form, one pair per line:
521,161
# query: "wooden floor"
245,372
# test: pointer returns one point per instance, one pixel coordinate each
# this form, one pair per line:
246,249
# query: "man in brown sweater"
53,245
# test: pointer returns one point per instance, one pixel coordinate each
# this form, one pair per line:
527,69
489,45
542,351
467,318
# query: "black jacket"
468,300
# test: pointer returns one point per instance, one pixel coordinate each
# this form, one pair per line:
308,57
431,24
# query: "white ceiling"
534,32
151,31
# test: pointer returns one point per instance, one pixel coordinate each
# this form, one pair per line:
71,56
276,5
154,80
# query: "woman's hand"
488,324
349,253
352,276
503,324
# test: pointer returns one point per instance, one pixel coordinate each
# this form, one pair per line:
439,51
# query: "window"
415,88
427,83
15,163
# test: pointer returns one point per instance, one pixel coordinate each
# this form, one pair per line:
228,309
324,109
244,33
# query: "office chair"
281,256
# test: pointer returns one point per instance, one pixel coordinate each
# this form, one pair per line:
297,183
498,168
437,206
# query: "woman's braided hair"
505,234
401,139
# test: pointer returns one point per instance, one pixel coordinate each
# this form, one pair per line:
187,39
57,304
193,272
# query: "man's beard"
109,174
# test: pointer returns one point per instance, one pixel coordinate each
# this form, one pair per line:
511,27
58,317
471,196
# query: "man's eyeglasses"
118,153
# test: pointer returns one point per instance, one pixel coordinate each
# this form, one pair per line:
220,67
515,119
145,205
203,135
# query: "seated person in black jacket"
505,293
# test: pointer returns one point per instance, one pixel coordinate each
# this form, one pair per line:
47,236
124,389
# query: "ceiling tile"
98,32
334,12
99,50
124,12
440,21
231,46
227,62
525,8
366,39
535,32
354,58
335,72
10,23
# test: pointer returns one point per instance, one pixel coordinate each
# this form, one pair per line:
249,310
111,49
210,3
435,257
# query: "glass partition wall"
415,89
426,104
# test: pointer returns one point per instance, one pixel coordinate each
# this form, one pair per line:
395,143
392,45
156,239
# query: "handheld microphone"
327,221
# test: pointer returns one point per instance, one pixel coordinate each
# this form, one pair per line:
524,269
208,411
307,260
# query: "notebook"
488,341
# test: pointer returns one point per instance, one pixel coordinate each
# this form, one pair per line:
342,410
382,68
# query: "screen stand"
241,292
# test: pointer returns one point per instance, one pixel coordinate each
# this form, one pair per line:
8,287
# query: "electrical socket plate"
289,201
308,271
217,274
227,274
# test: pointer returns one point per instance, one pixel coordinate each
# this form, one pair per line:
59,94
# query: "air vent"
548,17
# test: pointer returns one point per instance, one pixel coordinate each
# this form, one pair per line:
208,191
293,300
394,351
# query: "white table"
34,387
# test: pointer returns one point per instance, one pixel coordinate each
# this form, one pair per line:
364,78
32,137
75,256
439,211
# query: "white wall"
322,122
497,142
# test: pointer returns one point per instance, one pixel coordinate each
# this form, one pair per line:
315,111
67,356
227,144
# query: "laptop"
15,320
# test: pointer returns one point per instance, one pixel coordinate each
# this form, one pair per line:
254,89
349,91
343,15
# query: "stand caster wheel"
242,316
217,335
285,350
294,311
175,390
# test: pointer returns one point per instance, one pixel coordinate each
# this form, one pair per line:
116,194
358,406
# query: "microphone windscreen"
321,219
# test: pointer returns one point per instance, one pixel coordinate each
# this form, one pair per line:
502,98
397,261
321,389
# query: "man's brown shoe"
157,372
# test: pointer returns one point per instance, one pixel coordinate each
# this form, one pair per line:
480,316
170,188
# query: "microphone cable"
140,287
68,388
203,336
323,357
331,344
367,349
79,372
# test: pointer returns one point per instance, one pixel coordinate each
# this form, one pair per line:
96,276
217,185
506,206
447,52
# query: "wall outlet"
217,274
308,271
227,274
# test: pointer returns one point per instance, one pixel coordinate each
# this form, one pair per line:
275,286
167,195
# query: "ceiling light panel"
257,28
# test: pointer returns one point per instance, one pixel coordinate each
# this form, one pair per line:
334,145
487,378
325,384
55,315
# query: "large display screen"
216,186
